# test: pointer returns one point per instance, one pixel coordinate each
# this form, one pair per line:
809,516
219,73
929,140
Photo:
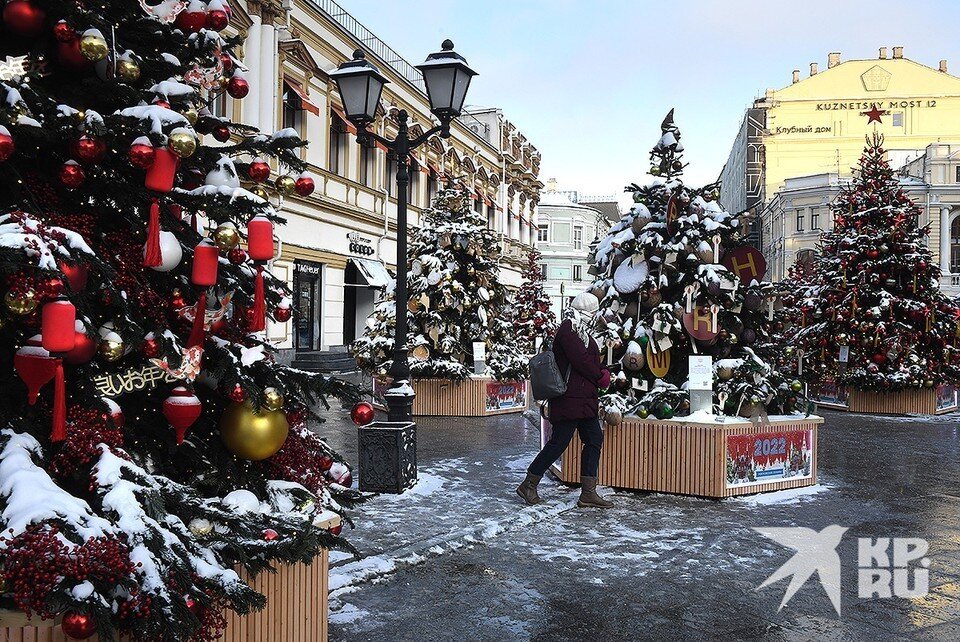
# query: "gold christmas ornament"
93,45
421,352
272,399
226,237
22,303
724,373
200,527
191,115
285,184
252,434
110,349
182,142
259,192
128,70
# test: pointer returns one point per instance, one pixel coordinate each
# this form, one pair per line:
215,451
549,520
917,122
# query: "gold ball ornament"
259,192
21,303
182,143
285,184
190,113
272,399
928,383
252,434
94,46
724,373
110,350
128,70
226,237
796,385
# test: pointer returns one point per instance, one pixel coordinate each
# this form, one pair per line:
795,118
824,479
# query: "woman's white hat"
585,302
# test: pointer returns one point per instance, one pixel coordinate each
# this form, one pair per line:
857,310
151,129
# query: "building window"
491,217
368,165
815,218
958,174
897,119
337,160
543,270
577,272
578,237
391,185
413,183
543,233
221,106
800,220
955,245
292,109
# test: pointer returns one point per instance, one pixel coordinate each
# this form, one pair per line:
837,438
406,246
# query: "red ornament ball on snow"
237,255
88,149
283,314
221,133
258,171
362,413
270,535
191,21
64,32
75,274
70,57
304,186
78,625
7,146
217,19
24,18
84,348
237,87
336,530
141,155
72,175
227,61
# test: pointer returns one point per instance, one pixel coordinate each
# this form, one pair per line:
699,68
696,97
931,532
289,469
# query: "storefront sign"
506,394
768,457
946,398
360,244
304,267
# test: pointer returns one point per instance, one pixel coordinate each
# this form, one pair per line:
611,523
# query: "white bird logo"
816,553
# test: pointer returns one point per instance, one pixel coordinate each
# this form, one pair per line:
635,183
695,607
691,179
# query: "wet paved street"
459,558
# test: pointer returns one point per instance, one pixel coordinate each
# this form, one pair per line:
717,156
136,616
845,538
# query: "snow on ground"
789,496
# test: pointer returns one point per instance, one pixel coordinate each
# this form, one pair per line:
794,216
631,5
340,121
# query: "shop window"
337,161
292,109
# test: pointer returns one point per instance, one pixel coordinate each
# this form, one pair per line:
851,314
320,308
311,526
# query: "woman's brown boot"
528,489
588,494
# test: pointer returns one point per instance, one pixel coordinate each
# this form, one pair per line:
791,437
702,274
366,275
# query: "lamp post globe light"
447,78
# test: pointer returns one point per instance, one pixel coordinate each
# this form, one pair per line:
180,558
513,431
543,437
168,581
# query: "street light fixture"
447,78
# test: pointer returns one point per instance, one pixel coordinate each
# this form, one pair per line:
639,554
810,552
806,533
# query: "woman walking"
577,355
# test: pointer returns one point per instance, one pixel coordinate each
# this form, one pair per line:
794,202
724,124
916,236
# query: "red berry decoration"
237,394
304,186
217,19
362,413
258,171
282,314
237,87
24,18
141,153
78,625
270,535
64,32
237,255
71,175
6,144
221,133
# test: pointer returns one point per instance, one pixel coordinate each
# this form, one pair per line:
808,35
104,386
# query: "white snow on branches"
18,230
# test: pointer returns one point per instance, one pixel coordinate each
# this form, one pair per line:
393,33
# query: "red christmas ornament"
191,21
237,87
84,348
71,175
7,146
879,358
24,18
237,395
182,409
151,348
362,413
304,185
282,314
872,253
237,255
88,149
258,171
193,606
336,530
227,61
75,274
64,32
177,301
35,366
70,57
77,625
270,535
161,173
217,20
260,238
221,133
116,413
141,155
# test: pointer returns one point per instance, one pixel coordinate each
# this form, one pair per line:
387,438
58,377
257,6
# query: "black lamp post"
360,83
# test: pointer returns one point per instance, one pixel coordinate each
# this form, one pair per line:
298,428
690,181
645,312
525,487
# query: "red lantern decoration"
77,625
283,314
260,249
258,171
237,86
6,144
35,366
72,175
206,258
182,409
88,149
58,324
362,413
304,185
160,176
24,18
141,153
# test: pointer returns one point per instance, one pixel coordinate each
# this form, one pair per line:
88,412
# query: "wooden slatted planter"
474,397
702,459
922,401
296,610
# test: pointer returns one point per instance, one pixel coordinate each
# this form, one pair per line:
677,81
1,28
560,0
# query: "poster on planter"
768,457
502,395
946,398
828,392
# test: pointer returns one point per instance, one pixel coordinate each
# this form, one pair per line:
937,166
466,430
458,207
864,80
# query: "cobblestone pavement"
459,558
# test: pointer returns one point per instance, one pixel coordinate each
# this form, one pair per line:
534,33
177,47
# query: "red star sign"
873,116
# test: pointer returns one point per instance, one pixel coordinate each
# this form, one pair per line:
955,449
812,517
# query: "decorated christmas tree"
150,445
533,318
870,314
676,278
456,299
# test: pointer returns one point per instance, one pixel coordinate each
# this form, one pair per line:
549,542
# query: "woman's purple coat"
580,399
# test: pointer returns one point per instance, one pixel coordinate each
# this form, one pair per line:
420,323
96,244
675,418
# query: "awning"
350,126
304,99
372,271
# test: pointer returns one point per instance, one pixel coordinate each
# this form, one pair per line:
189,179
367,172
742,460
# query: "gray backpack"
546,382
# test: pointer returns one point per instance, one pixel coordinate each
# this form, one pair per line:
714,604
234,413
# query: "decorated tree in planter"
675,278
874,293
150,446
533,318
456,299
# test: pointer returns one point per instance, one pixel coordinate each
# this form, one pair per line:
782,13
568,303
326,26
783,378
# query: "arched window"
955,245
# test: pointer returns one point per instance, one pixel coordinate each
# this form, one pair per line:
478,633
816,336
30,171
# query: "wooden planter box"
473,397
716,460
922,401
296,610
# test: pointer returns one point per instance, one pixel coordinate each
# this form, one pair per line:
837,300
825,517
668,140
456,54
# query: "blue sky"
589,82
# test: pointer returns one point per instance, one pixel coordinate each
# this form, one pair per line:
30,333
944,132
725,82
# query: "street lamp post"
447,78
